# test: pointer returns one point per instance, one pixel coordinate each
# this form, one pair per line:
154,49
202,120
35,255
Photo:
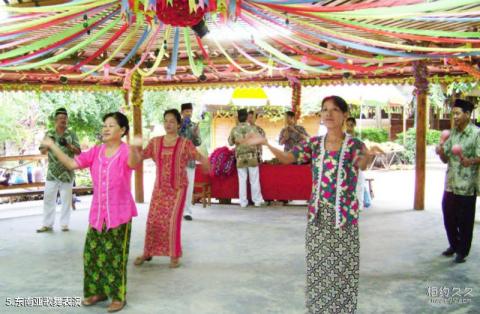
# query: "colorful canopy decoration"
194,41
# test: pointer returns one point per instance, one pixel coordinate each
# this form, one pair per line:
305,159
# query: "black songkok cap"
187,106
61,111
464,104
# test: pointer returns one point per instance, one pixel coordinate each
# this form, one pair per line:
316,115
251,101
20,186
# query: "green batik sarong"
105,259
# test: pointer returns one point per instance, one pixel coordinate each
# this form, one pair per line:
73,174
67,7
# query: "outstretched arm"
68,162
364,159
203,161
283,157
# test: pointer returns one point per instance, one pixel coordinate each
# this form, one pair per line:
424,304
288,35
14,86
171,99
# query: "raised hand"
47,142
136,141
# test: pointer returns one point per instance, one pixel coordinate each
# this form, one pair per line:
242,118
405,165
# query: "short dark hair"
290,114
187,106
352,119
465,105
121,119
61,111
337,101
175,113
242,115
251,112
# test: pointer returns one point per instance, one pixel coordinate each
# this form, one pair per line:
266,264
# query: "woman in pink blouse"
171,154
108,238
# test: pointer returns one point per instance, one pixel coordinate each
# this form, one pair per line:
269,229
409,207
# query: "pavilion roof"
324,42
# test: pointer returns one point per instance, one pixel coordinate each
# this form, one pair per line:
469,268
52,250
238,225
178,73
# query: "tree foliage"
155,103
24,116
85,110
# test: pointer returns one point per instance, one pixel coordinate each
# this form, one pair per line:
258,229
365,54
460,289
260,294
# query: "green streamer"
55,8
46,41
160,55
235,64
127,40
332,52
425,32
66,53
197,71
283,57
403,11
36,22
374,42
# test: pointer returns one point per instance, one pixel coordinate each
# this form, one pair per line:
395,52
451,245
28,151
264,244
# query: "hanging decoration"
296,94
420,71
294,38
137,89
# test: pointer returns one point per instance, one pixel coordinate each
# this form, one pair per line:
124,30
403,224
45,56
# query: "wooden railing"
34,188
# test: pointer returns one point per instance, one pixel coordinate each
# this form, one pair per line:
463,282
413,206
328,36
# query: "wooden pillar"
296,99
421,89
137,102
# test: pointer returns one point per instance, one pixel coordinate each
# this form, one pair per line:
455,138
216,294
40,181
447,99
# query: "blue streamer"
134,49
172,68
232,5
10,37
46,52
125,6
278,61
446,19
359,46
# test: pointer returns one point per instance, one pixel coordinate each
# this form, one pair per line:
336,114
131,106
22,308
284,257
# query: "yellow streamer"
127,39
160,55
235,64
376,42
71,10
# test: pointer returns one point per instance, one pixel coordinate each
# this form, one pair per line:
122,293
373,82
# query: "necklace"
340,179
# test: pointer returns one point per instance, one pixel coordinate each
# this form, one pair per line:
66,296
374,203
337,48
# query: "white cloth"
50,202
187,210
360,189
254,174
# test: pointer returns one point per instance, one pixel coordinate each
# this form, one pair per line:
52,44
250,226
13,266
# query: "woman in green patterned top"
332,241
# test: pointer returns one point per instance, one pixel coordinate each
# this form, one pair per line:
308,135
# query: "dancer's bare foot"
141,259
116,306
174,262
94,299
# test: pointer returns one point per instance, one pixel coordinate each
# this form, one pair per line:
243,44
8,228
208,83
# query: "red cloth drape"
278,182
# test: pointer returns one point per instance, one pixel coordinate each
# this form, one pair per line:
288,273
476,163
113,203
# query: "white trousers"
187,210
254,174
50,202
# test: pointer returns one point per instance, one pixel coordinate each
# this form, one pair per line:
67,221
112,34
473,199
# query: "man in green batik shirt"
59,178
251,119
247,160
460,194
189,130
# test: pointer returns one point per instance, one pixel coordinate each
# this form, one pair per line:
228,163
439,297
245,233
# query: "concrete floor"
251,260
